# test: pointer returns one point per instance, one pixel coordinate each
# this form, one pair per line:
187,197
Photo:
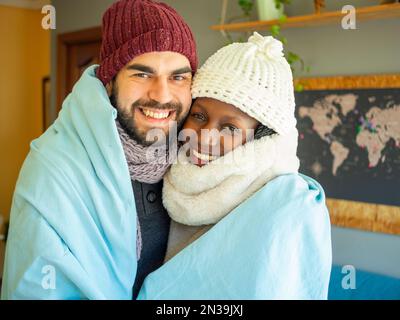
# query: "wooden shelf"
384,11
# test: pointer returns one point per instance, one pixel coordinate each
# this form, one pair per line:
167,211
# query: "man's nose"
160,91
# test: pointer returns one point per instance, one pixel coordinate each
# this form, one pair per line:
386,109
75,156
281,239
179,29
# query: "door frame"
65,40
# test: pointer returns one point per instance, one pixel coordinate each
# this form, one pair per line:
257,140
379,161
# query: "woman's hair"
262,131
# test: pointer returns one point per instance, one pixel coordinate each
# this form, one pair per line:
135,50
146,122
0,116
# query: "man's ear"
109,87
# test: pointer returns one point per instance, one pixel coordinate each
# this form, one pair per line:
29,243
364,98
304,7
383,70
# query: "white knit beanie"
254,77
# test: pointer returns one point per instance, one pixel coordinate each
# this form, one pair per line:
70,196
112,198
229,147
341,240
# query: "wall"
373,48
24,61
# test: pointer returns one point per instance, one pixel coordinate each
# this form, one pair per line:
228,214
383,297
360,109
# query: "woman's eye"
231,129
198,116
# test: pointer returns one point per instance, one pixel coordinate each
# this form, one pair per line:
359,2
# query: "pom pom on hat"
269,46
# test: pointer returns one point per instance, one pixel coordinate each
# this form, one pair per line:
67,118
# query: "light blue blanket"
73,225
73,211
275,245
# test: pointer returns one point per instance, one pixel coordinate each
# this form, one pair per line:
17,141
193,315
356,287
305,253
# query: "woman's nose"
209,140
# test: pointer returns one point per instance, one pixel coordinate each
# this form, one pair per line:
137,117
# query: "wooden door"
76,51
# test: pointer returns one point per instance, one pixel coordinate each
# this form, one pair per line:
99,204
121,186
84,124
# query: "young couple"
97,214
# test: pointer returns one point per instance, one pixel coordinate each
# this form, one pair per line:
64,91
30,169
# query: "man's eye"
142,75
179,78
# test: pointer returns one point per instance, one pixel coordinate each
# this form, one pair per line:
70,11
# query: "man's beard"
127,121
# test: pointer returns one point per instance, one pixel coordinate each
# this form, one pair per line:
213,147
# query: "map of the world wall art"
349,141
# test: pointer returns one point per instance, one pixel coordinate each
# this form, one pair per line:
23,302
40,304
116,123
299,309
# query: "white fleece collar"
196,195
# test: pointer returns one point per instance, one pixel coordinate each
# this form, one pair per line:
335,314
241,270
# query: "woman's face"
220,127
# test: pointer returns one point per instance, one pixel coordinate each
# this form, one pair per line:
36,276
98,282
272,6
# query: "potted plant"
269,9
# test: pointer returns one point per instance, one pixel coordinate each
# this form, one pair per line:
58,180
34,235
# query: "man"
87,219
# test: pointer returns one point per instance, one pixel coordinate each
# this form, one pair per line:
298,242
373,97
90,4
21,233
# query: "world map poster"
349,141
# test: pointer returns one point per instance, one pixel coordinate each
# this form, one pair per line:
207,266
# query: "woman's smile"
201,159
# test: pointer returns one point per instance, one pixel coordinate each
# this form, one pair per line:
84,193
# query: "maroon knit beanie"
134,27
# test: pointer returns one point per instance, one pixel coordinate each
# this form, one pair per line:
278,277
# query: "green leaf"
299,87
282,18
279,3
247,6
275,30
292,58
283,40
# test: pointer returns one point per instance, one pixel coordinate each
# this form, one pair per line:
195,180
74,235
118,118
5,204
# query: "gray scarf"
145,164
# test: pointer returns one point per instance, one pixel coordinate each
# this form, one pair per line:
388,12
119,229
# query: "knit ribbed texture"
135,27
254,77
145,164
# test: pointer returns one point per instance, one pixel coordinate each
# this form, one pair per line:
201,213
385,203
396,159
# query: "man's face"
151,91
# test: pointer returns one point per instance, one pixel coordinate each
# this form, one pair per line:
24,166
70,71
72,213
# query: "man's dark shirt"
154,224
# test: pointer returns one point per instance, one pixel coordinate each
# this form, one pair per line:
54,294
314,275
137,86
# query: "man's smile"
156,116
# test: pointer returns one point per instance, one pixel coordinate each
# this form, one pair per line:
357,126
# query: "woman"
268,227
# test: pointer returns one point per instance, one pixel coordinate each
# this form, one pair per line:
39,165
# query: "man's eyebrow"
141,67
147,69
182,70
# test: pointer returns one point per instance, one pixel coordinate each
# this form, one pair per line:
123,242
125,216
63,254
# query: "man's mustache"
153,104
